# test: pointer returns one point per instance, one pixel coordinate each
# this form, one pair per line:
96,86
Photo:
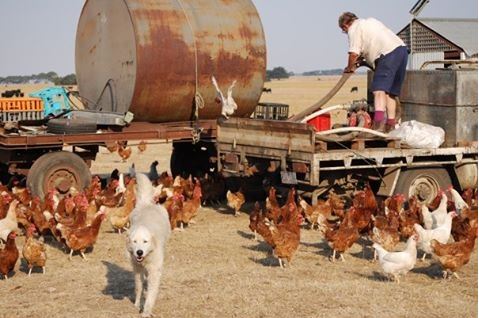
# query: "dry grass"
215,269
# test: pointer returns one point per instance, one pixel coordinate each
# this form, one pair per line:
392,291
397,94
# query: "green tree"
69,79
277,73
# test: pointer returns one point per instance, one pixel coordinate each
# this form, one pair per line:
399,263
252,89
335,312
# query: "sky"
301,35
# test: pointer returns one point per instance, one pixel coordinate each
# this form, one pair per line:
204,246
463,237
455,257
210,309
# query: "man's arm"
353,60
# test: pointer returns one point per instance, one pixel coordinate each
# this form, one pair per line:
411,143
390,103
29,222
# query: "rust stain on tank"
166,71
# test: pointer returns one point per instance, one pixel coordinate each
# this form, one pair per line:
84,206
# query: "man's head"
345,20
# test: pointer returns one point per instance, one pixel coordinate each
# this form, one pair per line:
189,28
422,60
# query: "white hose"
351,133
325,110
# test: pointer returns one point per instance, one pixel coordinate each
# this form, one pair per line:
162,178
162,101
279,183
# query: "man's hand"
350,69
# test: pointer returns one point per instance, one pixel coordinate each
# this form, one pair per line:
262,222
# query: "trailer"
297,155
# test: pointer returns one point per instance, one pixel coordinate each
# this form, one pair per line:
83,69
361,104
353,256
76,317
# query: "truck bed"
298,149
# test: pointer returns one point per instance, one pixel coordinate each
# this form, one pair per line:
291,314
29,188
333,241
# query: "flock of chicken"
74,220
427,227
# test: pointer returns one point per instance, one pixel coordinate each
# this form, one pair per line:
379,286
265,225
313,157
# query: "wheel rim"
61,179
424,188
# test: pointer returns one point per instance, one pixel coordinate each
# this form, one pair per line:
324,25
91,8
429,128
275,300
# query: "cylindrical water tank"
151,57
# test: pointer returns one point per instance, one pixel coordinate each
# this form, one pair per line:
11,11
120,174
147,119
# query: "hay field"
215,269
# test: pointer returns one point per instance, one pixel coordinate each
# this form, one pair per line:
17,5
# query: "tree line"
50,77
280,72
276,73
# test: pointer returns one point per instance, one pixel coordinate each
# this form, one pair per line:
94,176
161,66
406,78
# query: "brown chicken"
124,151
340,238
34,251
142,146
255,218
23,195
213,188
316,214
120,216
384,234
286,236
337,204
470,196
463,223
77,217
83,238
453,256
112,146
235,200
191,207
272,206
8,255
359,217
276,213
174,206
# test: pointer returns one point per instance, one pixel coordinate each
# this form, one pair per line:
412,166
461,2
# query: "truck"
148,77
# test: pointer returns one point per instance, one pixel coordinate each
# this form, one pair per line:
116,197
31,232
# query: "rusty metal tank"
152,57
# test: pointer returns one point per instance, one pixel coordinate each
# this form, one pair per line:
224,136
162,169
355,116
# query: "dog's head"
140,243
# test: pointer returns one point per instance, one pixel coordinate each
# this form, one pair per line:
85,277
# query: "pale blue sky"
302,35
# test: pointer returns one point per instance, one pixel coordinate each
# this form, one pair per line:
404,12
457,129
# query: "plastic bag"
419,135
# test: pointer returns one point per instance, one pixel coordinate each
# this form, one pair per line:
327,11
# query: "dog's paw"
146,314
137,304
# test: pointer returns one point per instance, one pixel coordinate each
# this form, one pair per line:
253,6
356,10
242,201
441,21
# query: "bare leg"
380,101
391,106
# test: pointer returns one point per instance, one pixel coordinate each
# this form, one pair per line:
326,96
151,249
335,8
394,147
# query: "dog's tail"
145,190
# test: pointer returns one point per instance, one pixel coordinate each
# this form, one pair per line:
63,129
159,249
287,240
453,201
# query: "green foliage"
50,77
67,80
277,73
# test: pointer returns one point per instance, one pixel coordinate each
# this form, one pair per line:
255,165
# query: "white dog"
149,231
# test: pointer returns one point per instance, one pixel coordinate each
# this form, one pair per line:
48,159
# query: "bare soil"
215,269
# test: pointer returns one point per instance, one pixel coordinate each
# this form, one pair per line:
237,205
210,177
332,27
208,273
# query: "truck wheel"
60,171
424,184
70,126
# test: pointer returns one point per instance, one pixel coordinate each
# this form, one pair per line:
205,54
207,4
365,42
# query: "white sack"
419,135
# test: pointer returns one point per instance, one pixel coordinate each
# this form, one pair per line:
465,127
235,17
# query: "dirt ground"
215,269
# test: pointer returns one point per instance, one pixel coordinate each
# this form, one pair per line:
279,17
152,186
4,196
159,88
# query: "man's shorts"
390,71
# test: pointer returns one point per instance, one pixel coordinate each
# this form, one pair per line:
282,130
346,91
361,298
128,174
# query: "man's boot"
379,126
389,128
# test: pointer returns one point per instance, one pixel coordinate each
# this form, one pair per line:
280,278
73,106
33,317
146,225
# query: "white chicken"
228,104
459,202
438,216
426,217
440,233
398,263
9,222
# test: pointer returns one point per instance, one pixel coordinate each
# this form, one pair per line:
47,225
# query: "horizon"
299,37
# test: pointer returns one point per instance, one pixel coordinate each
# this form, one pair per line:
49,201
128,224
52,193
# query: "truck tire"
60,171
423,183
70,126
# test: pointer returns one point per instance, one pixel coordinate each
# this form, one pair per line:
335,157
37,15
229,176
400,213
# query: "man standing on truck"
372,42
